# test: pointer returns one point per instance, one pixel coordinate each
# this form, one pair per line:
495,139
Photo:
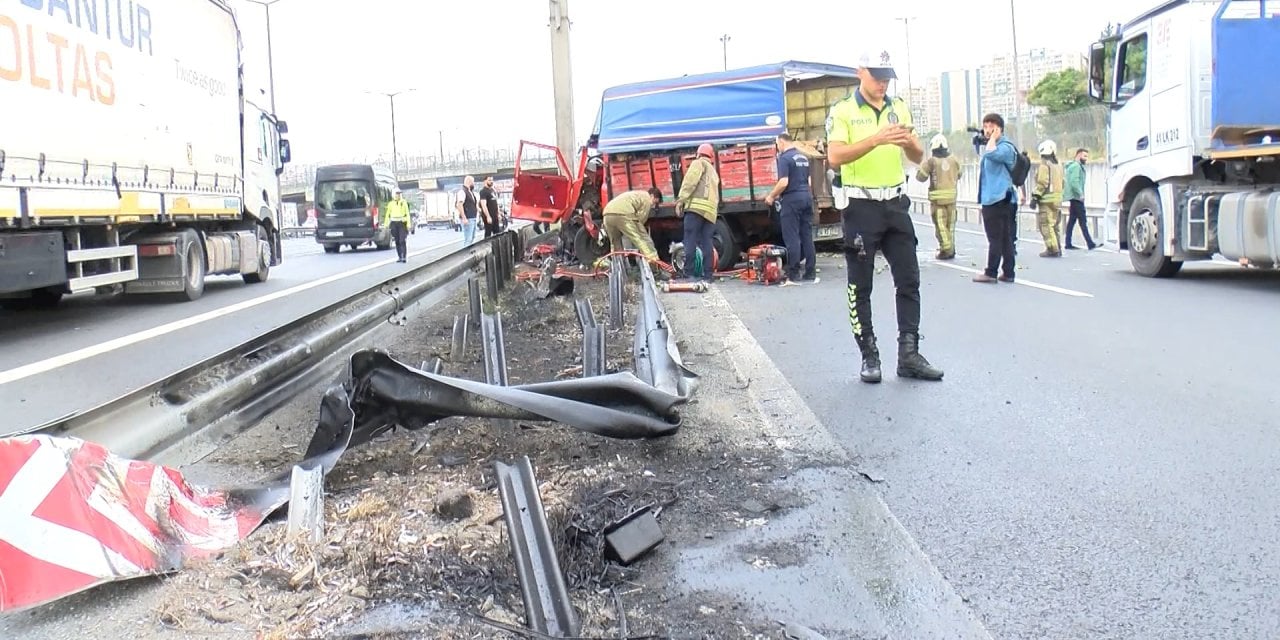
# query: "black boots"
910,363
870,358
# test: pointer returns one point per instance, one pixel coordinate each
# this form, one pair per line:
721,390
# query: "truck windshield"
342,194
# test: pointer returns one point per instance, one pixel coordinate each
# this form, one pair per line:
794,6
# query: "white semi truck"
130,155
1194,134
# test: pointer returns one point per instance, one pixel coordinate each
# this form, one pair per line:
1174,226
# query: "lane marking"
1026,283
44,366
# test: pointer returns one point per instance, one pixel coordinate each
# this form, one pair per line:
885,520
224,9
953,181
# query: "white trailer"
129,154
1194,136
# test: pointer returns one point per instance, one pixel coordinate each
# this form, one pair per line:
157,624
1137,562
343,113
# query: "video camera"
979,138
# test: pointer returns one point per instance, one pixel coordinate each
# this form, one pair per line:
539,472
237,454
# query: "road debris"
632,537
547,605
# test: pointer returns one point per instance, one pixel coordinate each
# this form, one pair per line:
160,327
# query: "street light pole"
724,49
1017,80
271,65
906,25
395,155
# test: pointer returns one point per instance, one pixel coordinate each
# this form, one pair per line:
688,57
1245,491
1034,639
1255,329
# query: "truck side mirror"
285,153
282,127
1098,90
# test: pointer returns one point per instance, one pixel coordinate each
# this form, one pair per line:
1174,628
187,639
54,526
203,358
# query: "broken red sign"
72,515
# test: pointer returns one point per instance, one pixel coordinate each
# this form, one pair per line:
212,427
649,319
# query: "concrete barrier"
1028,228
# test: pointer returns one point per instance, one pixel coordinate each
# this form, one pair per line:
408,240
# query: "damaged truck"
646,135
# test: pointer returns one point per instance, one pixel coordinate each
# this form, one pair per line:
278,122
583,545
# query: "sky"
479,74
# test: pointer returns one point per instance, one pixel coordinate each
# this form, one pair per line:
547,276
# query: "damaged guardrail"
261,374
159,522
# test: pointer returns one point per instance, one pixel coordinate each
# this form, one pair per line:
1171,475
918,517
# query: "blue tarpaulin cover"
739,105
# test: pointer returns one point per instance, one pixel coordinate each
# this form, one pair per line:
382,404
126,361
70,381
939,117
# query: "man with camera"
999,200
867,134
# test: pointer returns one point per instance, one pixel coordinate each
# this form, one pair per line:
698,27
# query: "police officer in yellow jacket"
943,172
1047,198
398,217
700,195
867,134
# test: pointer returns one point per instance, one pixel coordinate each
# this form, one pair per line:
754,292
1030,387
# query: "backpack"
1021,168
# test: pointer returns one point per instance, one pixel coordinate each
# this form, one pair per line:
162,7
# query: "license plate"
828,232
333,234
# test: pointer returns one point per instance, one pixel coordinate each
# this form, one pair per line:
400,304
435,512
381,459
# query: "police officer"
398,216
943,172
1046,198
795,211
867,134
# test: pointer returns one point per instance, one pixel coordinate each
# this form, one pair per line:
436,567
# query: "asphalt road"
92,349
1099,461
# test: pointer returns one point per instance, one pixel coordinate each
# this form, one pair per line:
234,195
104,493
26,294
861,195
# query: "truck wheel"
726,246
264,265
1146,237
193,268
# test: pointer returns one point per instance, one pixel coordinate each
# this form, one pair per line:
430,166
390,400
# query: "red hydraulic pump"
764,264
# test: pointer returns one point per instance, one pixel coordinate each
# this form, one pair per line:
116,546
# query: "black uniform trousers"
884,226
796,219
400,233
1000,222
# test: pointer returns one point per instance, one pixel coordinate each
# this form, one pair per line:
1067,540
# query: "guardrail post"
617,278
495,350
306,502
593,340
491,276
459,346
473,297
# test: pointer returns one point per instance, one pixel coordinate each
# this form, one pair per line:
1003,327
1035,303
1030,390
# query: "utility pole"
562,79
271,65
724,49
395,156
440,133
1017,79
906,26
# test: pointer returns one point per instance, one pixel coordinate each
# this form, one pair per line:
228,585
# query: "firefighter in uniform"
943,172
626,215
700,195
1047,198
867,134
398,217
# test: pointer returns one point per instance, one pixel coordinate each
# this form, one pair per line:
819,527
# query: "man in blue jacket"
999,200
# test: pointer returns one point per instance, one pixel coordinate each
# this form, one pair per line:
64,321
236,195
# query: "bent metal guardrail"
258,376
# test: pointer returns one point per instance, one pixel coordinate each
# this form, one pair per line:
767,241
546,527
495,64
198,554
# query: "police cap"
879,63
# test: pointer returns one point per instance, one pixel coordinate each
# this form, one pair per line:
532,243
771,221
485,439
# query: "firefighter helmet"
938,141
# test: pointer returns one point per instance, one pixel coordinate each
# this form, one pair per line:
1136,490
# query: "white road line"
44,366
1026,283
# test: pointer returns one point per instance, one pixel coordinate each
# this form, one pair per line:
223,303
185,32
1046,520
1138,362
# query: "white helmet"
938,141
1048,148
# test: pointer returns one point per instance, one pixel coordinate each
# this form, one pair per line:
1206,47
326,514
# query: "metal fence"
1071,130
476,160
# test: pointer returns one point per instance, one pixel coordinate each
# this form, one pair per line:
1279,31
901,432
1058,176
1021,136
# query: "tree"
1060,91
